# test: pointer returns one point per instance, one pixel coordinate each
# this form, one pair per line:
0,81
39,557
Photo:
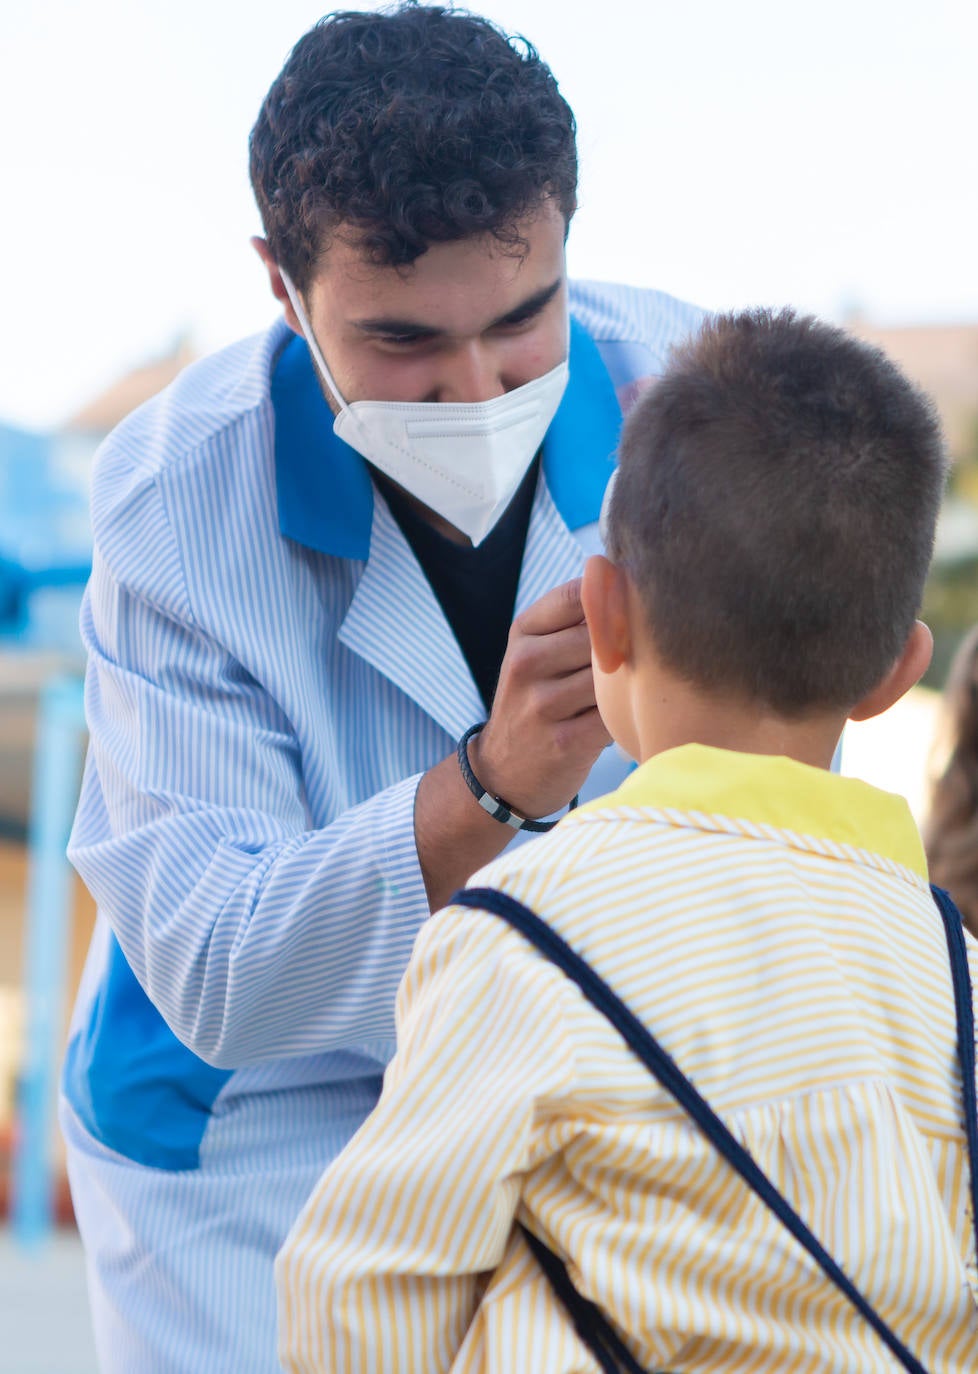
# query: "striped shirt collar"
325,497
774,792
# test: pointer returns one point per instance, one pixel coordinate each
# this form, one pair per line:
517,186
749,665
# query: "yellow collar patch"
773,791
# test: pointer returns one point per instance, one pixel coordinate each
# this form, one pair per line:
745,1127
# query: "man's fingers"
566,698
593,730
557,609
533,658
585,733
544,731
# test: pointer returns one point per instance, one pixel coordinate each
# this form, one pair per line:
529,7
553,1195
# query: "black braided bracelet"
495,806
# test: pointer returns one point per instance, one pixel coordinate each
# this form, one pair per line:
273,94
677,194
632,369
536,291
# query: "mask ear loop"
311,340
606,509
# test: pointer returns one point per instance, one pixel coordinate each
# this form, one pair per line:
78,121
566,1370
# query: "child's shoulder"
558,873
536,872
476,944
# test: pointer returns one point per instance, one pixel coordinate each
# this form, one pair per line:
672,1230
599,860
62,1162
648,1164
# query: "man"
321,558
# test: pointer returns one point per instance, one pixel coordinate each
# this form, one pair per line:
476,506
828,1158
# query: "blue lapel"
325,496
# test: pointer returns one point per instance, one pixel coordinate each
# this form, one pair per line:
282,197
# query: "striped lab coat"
773,925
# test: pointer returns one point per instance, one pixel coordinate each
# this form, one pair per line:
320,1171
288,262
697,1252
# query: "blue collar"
325,497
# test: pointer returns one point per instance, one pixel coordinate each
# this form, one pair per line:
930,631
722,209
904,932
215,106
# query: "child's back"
771,923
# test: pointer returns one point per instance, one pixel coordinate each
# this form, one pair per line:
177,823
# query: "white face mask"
462,461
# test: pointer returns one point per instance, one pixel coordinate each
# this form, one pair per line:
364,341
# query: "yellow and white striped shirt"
772,924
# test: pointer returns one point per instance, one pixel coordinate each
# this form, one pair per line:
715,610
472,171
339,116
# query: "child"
768,537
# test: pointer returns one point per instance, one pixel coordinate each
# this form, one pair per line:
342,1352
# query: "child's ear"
604,595
908,669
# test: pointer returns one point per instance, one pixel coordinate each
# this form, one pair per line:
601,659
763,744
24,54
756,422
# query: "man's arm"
536,750
254,935
381,1271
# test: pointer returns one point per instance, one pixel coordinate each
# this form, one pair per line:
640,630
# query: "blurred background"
761,153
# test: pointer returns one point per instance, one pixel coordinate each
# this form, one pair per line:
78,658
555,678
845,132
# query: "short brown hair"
775,505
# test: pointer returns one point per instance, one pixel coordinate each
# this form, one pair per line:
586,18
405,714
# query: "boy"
768,537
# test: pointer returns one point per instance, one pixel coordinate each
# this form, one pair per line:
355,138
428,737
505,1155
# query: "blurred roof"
104,412
943,359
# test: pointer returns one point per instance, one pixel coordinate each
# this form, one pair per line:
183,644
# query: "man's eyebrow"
531,306
388,325
393,326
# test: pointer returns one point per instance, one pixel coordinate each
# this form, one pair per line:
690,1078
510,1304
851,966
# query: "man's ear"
604,596
908,669
275,281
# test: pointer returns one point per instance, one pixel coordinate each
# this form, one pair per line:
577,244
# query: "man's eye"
517,321
403,340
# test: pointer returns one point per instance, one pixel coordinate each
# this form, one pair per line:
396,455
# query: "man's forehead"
449,284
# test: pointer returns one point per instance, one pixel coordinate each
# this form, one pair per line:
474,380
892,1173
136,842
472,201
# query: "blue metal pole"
57,757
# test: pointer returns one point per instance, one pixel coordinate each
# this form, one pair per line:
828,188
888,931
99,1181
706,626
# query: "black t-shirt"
475,586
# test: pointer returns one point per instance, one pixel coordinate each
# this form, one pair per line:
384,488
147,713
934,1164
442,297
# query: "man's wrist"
454,836
493,804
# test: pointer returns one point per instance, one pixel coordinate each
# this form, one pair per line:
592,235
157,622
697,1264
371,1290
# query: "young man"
290,625
771,922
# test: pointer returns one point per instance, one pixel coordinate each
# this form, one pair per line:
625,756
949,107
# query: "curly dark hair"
413,125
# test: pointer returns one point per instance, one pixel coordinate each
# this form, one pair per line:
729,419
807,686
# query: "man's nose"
470,373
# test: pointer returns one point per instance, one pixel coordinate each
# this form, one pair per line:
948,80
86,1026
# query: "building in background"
103,413
943,359
45,553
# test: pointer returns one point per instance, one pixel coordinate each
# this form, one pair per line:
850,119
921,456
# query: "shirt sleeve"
382,1270
256,936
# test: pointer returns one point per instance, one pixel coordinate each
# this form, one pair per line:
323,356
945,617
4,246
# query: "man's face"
467,321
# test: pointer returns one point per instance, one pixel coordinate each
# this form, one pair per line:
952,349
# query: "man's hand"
535,751
544,733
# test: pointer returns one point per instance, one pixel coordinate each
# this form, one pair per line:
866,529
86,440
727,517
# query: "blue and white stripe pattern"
261,708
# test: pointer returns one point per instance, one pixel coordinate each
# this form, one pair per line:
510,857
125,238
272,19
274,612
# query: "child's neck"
674,713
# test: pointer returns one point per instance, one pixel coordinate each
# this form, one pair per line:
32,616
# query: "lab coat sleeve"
255,935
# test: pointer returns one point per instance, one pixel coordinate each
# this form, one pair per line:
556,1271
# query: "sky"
758,152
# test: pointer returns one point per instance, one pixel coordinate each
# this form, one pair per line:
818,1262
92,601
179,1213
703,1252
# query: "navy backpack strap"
590,1323
964,1008
663,1067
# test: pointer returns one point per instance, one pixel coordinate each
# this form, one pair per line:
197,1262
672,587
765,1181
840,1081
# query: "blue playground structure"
45,559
